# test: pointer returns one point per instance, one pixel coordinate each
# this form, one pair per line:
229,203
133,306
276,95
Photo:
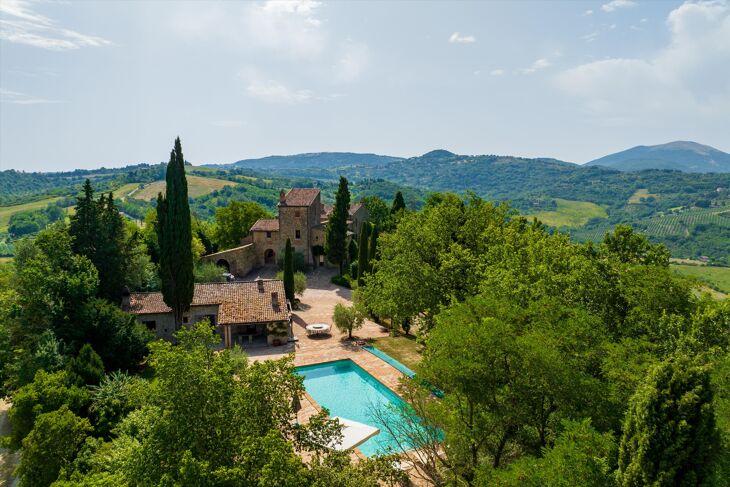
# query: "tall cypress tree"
362,257
84,225
336,232
111,253
174,233
372,247
289,272
398,203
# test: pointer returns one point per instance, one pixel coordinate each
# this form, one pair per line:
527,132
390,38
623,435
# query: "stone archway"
269,257
224,263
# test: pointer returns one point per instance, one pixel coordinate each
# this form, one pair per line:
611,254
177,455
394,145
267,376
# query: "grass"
197,186
123,191
571,214
7,211
635,198
715,277
404,349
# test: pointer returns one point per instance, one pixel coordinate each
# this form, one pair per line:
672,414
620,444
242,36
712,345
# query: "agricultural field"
570,214
681,223
7,211
123,192
197,186
715,277
641,193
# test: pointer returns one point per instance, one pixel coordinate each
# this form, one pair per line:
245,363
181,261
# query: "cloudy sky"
85,84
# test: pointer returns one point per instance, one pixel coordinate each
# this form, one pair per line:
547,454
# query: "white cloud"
614,5
588,12
276,92
287,25
20,24
353,61
17,98
457,38
538,65
497,72
590,37
690,77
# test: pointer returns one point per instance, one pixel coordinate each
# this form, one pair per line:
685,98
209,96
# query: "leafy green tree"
669,434
378,212
174,235
86,368
372,248
398,204
362,258
233,222
209,272
352,252
300,281
48,392
336,231
117,395
631,247
50,446
111,256
85,222
348,318
289,272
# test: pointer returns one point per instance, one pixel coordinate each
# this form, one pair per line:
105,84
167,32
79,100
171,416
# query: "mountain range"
680,155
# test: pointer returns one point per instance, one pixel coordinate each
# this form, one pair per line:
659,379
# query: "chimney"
275,299
260,283
125,298
282,197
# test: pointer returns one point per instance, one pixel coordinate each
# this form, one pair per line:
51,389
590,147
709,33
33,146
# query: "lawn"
570,214
716,277
123,191
197,186
404,349
7,211
641,193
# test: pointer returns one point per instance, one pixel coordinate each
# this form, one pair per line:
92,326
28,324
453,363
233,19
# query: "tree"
84,225
362,258
347,318
111,257
234,221
669,435
300,281
352,251
372,248
174,234
378,212
336,231
51,445
86,368
398,204
289,272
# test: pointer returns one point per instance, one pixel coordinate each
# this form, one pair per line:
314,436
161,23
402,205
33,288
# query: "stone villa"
242,312
302,219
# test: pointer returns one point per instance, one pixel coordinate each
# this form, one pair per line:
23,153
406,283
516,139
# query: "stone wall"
263,243
164,323
239,261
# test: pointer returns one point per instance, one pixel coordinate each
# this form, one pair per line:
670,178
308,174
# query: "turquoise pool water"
388,359
348,391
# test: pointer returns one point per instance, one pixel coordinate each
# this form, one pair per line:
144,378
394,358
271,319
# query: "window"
297,213
268,234
298,235
150,324
185,319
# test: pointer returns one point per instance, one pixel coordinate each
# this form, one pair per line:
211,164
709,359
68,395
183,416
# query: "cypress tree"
398,203
336,232
362,257
174,234
372,247
111,254
84,225
289,272
669,434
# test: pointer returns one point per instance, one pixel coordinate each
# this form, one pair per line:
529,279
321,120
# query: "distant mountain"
679,155
321,160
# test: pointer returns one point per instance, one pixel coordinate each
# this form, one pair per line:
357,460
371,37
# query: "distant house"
252,312
302,219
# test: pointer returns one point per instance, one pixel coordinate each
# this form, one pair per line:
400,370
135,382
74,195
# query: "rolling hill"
679,156
326,160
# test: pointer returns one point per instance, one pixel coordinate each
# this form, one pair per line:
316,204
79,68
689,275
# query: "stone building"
254,312
302,219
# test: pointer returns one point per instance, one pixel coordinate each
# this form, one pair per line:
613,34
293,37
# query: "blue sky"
85,84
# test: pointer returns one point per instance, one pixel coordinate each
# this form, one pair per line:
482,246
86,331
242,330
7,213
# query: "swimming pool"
348,391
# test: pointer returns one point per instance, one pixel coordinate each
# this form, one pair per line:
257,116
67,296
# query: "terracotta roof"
266,225
238,302
300,197
327,209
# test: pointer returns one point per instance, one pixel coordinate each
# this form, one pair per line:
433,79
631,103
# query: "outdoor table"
317,328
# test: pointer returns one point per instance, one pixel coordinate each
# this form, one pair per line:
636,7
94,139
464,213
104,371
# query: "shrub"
341,281
300,263
209,272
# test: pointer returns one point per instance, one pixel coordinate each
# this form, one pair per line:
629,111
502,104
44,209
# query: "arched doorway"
269,257
224,263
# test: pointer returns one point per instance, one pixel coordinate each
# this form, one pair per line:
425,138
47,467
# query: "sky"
90,83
